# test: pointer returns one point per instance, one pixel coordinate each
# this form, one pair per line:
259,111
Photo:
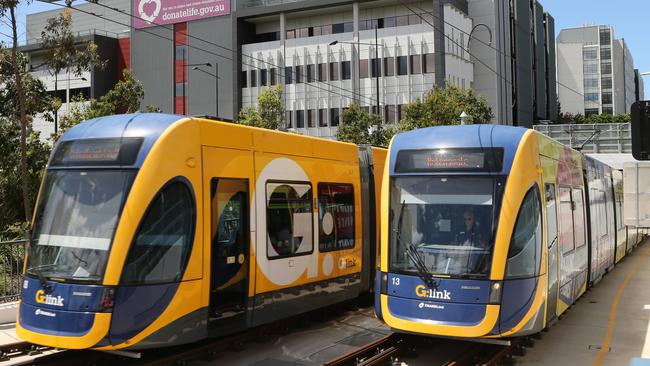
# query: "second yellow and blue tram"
492,231
155,230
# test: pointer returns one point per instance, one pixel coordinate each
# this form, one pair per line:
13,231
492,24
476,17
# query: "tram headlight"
383,288
107,300
495,293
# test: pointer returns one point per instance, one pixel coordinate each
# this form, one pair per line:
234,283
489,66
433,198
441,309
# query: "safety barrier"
12,256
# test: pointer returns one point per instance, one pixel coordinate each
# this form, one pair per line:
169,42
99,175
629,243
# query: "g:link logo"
42,298
421,291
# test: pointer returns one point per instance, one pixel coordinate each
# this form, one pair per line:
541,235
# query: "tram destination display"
432,160
97,152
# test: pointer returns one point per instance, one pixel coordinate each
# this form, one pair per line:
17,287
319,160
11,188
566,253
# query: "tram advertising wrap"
486,231
156,230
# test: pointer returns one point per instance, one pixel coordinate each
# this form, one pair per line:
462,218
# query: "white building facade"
597,71
328,60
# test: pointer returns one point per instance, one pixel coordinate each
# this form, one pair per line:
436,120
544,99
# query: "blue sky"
626,16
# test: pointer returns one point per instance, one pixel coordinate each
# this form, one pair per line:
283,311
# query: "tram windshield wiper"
46,286
421,267
412,253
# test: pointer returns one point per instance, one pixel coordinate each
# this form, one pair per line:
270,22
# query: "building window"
591,111
334,117
401,111
605,36
591,83
322,117
363,69
300,118
253,78
590,68
389,66
402,68
607,82
288,119
389,113
274,76
326,29
429,63
244,79
322,72
311,118
338,28
181,51
402,20
263,77
416,64
316,31
335,216
414,19
607,98
388,22
302,32
311,73
299,74
608,110
605,53
181,90
375,68
334,71
606,68
291,34
289,219
346,73
288,71
591,97
590,54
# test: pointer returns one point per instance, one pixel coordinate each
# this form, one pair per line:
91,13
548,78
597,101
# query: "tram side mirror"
641,130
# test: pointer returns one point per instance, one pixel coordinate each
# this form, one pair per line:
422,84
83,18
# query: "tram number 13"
396,281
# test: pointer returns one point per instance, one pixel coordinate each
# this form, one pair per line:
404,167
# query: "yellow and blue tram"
155,230
492,231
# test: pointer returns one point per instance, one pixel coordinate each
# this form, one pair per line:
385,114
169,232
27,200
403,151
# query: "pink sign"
149,13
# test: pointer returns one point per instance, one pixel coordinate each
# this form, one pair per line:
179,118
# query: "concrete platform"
610,324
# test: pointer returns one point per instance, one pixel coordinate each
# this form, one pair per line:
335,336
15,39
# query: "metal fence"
592,138
12,256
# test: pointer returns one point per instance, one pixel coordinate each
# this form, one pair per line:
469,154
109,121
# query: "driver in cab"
471,236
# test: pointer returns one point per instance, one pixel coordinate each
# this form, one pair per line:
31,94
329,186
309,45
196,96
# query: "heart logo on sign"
149,10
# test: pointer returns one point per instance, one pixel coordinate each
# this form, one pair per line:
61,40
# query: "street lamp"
216,78
377,68
475,27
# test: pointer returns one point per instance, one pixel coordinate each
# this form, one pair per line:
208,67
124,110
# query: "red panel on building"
123,56
180,33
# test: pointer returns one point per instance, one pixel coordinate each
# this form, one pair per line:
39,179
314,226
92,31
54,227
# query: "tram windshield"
76,218
443,225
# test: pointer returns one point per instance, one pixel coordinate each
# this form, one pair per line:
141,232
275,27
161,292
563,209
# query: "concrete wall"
202,84
540,63
618,69
82,22
551,68
152,55
569,72
524,57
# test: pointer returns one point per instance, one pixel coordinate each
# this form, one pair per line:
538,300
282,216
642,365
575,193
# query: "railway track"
17,349
389,349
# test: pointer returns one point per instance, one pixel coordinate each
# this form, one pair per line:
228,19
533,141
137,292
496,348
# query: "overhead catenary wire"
280,69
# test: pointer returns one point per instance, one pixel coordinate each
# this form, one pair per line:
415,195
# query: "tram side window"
289,219
565,220
526,244
551,213
335,216
163,242
578,217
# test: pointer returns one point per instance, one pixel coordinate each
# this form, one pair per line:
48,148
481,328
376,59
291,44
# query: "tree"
359,127
269,112
125,97
443,106
64,52
9,7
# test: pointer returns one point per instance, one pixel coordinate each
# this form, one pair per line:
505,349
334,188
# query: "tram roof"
468,136
149,126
